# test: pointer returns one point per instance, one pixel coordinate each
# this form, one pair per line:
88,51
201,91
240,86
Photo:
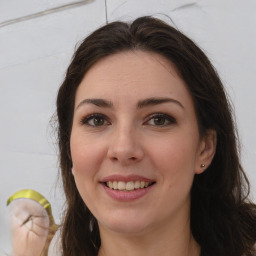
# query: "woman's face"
135,143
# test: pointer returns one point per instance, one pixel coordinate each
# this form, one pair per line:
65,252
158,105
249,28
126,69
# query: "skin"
29,227
132,140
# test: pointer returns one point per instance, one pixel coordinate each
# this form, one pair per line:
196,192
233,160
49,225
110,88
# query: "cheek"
174,159
87,154
173,152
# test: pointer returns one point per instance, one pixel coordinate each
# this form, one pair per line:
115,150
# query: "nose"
125,146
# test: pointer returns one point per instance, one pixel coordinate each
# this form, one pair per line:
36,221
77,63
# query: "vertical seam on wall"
106,11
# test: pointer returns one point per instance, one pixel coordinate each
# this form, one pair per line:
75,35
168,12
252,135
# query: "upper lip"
118,177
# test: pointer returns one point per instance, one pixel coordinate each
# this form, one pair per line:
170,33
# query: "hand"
29,227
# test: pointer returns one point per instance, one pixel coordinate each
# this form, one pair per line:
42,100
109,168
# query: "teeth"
110,184
128,186
115,185
137,184
121,185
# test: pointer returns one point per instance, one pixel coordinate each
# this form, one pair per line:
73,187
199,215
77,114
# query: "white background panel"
14,9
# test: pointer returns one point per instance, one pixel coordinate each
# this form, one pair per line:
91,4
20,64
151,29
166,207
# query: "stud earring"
202,165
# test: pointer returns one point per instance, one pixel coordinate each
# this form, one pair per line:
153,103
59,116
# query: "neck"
162,240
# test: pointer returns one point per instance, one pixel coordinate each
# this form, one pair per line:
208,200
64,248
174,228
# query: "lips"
127,188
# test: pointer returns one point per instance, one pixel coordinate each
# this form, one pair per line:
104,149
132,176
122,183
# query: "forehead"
133,73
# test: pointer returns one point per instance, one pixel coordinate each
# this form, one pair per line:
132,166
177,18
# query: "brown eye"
161,120
95,120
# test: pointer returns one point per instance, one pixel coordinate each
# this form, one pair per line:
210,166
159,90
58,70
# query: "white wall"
35,53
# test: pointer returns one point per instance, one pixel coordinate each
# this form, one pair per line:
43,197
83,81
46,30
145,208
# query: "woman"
148,149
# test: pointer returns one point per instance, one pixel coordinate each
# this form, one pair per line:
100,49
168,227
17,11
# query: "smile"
128,186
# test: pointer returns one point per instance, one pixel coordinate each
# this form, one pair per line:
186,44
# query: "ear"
206,151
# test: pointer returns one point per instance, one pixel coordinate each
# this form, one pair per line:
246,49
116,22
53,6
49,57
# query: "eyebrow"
141,104
97,102
157,101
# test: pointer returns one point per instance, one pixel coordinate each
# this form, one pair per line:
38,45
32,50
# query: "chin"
125,224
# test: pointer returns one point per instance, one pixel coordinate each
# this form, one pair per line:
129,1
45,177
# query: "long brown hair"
223,221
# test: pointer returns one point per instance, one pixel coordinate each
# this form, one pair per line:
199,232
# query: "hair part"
223,221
